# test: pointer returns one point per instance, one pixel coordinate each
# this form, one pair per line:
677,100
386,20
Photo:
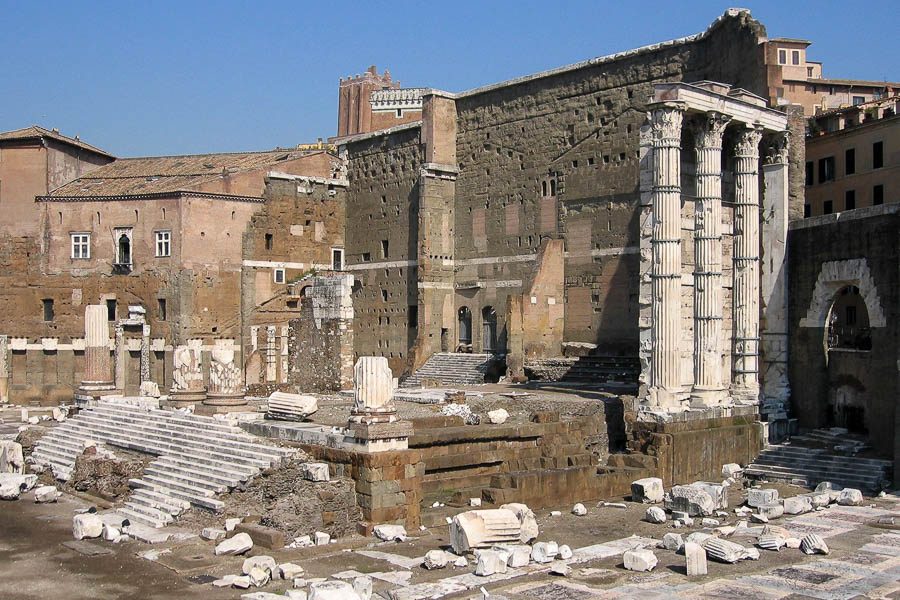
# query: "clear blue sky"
149,78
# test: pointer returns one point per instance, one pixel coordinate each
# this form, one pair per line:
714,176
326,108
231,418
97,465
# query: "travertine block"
648,490
695,559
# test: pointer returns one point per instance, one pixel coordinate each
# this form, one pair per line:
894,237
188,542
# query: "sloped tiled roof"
165,174
36,132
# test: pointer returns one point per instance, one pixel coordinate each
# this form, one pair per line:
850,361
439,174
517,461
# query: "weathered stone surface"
240,543
544,552
707,522
695,559
332,590
315,471
640,560
291,407
690,499
579,510
758,518
490,562
225,581
655,514
363,587
9,491
728,552
773,542
46,493
827,486
819,499
259,576
87,525
212,533
484,528
518,554
648,490
498,417
771,511
435,559
11,458
717,491
288,571
242,582
731,469
390,533
673,541
757,497
813,544
797,505
322,538
560,569
565,552
850,497
266,537
792,542
296,594
266,563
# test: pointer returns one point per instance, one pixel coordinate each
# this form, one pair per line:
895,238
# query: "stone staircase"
811,459
198,457
451,369
604,369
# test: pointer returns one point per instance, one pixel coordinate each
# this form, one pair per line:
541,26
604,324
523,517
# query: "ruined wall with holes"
551,156
294,236
381,242
827,254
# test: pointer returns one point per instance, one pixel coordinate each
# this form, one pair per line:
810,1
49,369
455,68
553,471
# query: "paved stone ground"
37,560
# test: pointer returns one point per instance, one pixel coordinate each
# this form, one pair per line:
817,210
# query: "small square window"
827,207
81,245
279,275
163,243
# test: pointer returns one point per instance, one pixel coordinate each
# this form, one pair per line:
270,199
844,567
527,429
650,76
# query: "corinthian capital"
747,143
708,130
777,149
665,119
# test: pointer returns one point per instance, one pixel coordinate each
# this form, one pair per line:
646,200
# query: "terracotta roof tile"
35,132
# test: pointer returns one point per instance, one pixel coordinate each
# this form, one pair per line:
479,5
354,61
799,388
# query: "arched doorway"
124,254
848,321
489,330
464,329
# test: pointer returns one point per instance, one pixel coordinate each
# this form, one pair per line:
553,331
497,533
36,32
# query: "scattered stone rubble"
283,406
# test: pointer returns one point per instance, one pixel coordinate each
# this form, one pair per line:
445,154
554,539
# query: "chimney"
56,130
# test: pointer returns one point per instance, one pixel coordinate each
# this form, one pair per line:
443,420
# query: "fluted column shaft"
708,389
665,355
96,345
745,295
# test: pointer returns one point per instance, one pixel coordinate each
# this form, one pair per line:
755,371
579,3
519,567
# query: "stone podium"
373,422
98,379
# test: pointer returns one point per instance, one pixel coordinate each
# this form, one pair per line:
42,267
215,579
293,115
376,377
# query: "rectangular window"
795,57
110,310
163,243
809,71
161,306
268,241
827,208
849,199
47,305
366,257
782,57
123,245
279,275
413,318
877,155
826,169
337,259
877,195
81,245
850,161
384,248
858,100
810,172
807,211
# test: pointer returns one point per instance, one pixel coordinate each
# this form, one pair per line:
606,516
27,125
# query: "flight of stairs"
451,369
811,459
198,457
604,369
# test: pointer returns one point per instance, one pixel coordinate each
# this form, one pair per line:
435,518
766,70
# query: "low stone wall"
695,450
548,369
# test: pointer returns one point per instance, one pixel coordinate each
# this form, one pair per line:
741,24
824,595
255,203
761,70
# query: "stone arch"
834,276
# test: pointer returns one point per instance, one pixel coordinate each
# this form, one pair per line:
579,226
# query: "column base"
707,398
184,398
375,415
746,394
665,399
225,399
380,437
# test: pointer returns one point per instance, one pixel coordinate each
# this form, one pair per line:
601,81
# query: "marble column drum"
665,355
745,260
708,389
97,364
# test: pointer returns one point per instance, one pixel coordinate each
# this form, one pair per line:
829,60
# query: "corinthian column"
708,389
665,355
745,379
